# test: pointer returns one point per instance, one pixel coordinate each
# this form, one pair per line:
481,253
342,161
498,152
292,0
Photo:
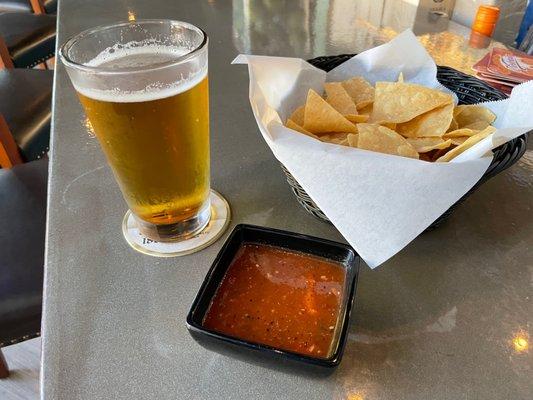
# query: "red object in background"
486,19
511,64
506,65
501,86
504,68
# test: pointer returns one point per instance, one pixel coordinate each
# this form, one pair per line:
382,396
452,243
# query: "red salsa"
280,298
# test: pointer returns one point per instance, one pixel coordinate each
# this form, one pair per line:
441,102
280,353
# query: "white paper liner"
378,202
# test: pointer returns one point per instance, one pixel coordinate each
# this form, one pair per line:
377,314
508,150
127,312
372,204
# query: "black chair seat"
50,6
22,235
15,6
30,38
25,103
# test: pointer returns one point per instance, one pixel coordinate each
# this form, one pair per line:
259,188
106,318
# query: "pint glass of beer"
143,85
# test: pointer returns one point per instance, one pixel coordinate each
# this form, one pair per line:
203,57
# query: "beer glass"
144,87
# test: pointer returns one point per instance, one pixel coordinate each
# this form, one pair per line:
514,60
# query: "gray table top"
440,320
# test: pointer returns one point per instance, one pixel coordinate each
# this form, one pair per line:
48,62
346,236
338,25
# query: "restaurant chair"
29,6
23,191
25,101
26,40
25,113
44,6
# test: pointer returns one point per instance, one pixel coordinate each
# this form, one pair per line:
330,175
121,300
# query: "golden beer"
158,150
144,87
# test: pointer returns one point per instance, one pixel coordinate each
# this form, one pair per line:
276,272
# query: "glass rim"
71,41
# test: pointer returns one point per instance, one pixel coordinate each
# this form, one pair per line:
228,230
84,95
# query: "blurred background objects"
447,28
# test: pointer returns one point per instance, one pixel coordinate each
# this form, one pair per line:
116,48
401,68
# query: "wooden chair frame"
37,7
9,151
5,57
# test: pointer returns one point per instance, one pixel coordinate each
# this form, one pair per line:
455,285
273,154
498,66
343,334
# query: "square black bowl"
250,351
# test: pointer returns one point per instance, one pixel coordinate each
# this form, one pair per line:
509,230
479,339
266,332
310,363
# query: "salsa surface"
280,298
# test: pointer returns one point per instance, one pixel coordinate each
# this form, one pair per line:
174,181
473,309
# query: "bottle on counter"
486,20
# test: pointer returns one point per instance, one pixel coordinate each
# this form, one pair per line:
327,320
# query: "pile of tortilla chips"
397,118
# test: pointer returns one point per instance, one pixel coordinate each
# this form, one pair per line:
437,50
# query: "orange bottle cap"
486,18
488,13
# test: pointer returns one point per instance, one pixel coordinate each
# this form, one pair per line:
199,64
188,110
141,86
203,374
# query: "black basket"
469,90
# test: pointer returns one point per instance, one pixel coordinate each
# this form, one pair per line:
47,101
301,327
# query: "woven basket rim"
504,155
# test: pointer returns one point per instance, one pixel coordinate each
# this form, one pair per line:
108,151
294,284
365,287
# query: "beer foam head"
142,73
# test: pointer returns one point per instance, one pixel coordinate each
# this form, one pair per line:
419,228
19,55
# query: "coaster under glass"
220,217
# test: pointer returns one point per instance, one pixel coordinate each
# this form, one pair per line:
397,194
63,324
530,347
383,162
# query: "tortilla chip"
424,141
420,143
401,102
453,125
352,139
298,116
477,126
361,92
384,140
440,146
390,125
363,104
472,140
294,126
336,138
459,133
430,124
436,154
356,119
343,142
423,145
468,114
458,140
320,117
339,98
367,110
